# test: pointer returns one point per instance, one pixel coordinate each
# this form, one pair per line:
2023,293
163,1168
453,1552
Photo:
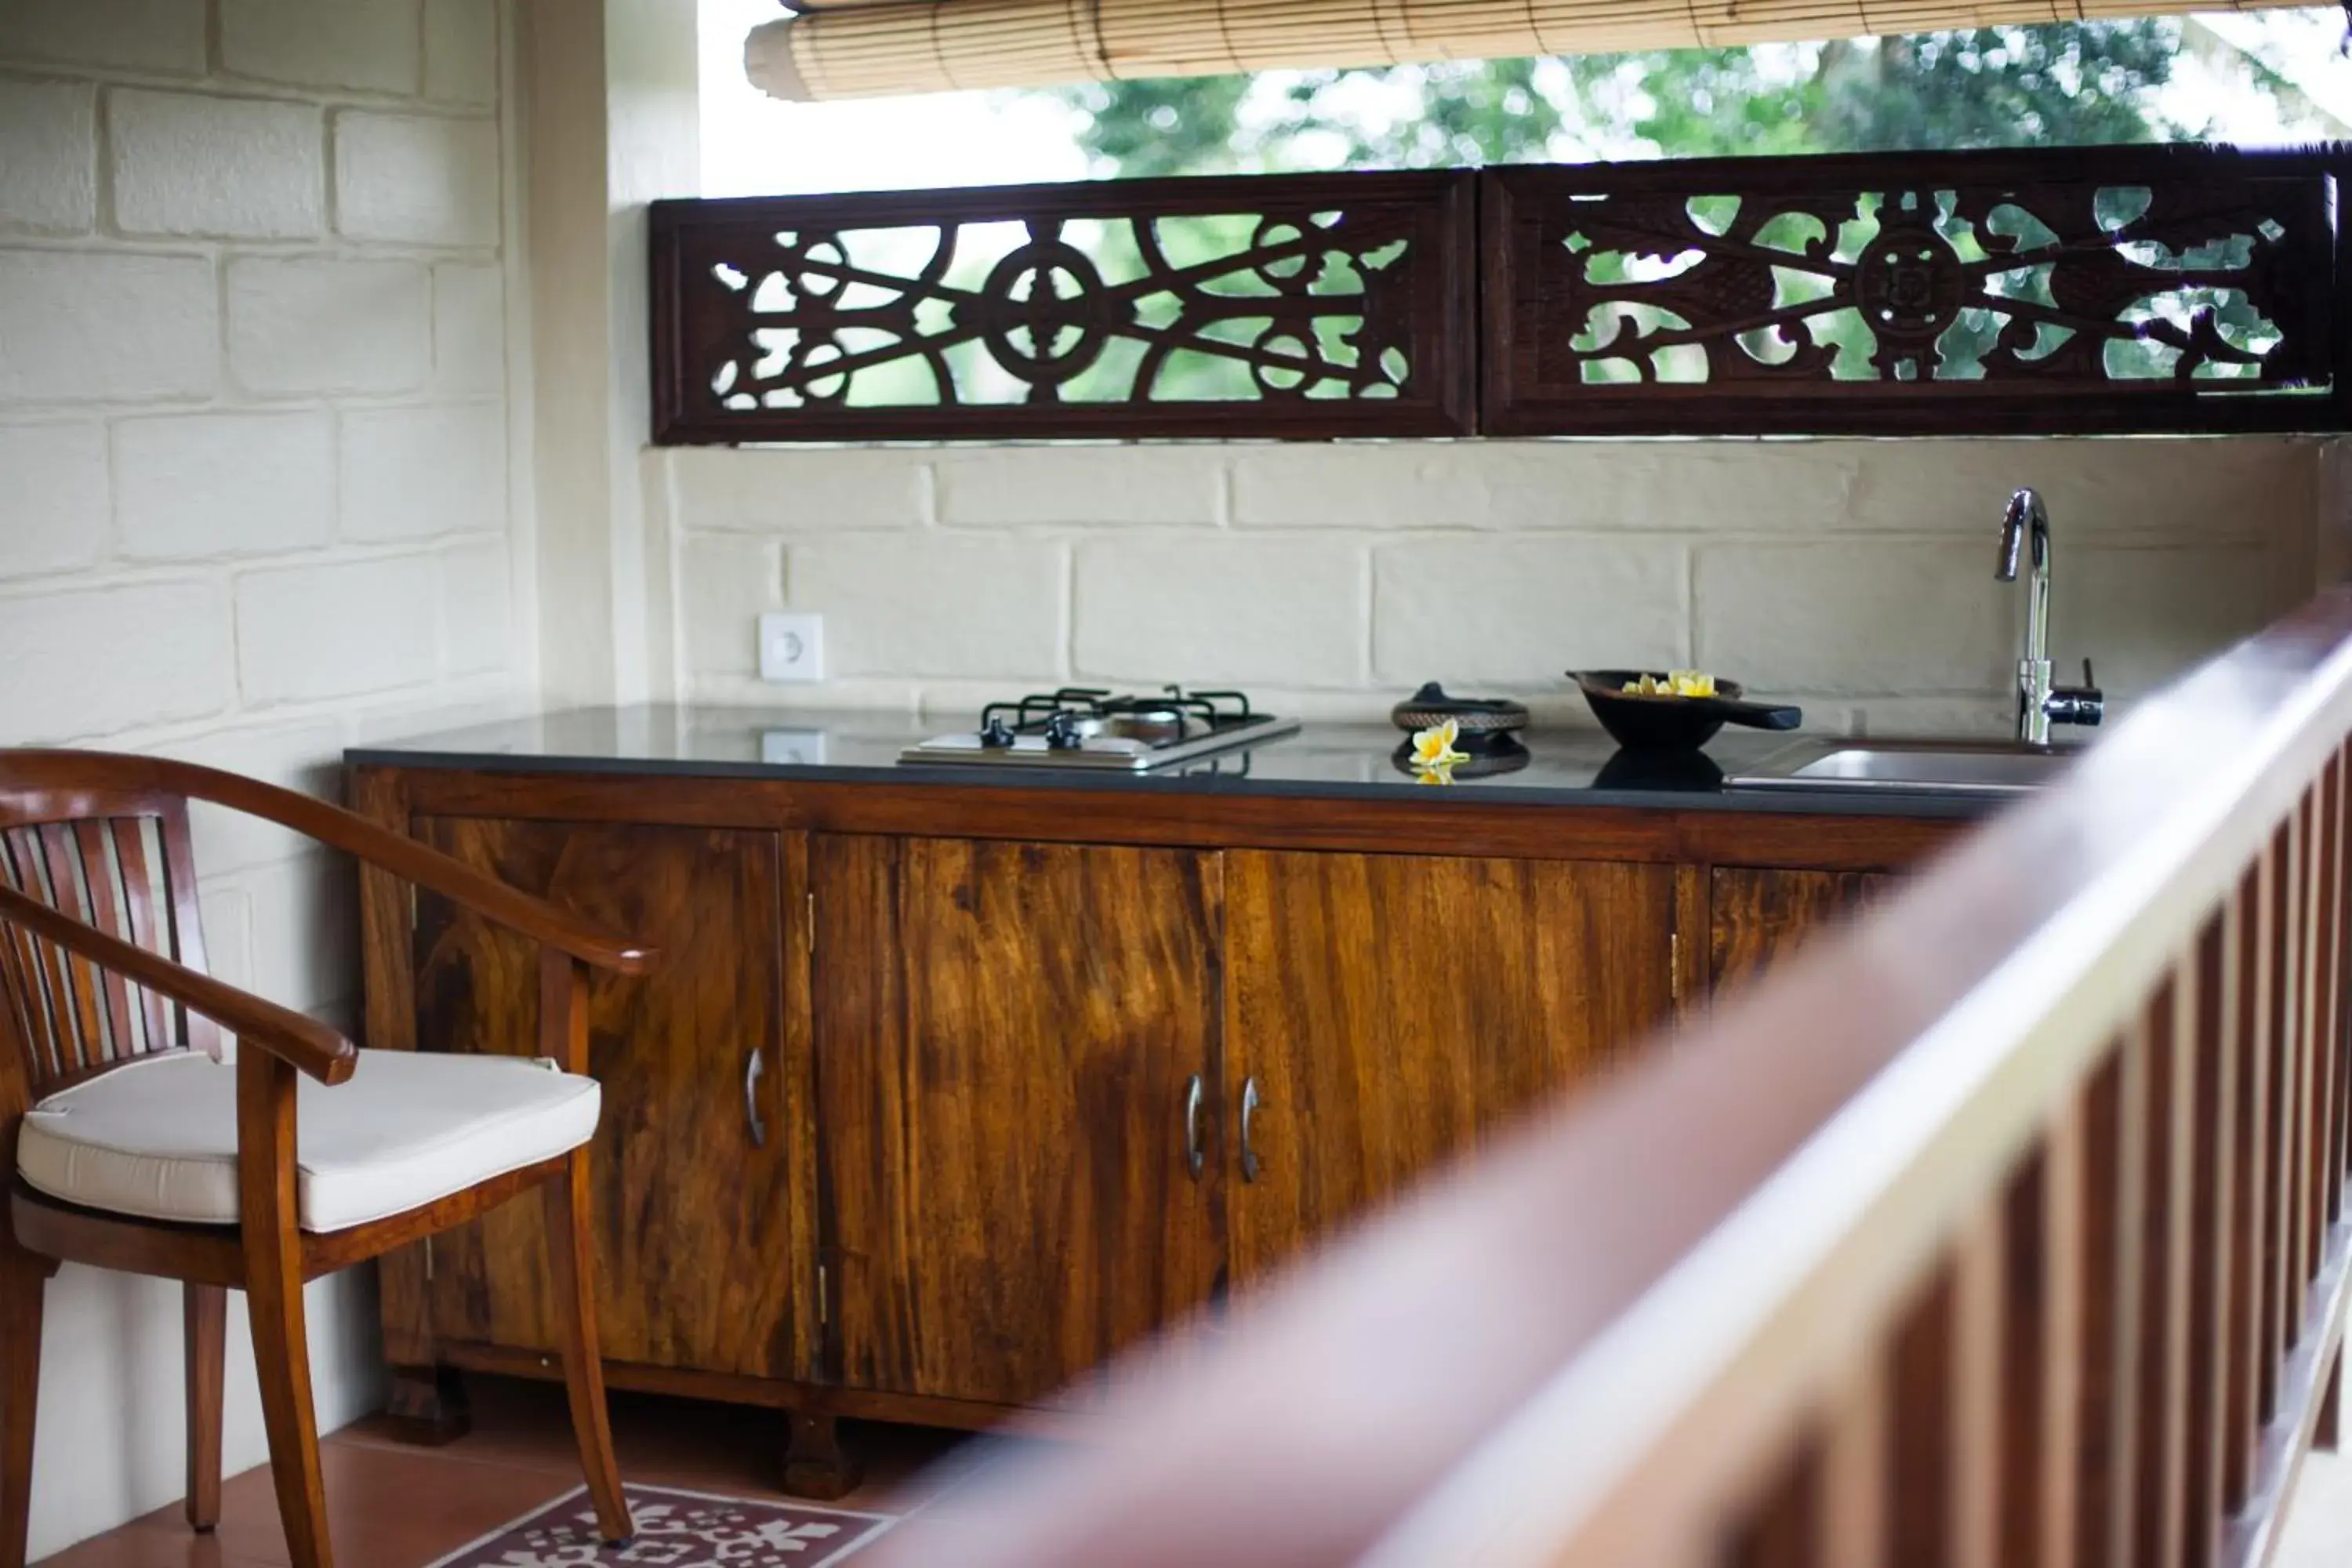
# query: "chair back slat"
78,982
21,980
119,860
50,1019
139,901
101,885
186,925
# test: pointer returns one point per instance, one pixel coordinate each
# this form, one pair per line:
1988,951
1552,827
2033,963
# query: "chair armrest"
301,1042
401,856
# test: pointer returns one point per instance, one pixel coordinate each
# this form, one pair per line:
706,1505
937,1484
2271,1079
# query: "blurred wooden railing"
2006,1228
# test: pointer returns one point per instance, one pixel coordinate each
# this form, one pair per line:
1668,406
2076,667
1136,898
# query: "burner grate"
1091,726
1032,714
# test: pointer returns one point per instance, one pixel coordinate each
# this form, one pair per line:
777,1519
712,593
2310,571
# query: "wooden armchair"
128,1142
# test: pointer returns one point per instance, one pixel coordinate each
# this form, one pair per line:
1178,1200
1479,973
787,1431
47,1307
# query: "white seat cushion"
157,1138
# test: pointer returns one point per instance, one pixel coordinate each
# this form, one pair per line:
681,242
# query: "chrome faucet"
2039,703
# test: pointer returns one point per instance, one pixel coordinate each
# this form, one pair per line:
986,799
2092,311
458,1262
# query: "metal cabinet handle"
753,1066
1250,1103
1193,1157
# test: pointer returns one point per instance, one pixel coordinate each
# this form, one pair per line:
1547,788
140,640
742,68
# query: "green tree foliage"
1986,87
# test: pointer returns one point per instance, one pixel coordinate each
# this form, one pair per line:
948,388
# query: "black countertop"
1566,766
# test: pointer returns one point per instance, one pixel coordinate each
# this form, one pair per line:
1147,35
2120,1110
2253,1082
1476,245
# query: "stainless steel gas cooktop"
1085,727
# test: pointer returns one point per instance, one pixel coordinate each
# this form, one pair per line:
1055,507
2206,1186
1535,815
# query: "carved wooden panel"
1274,305
2074,289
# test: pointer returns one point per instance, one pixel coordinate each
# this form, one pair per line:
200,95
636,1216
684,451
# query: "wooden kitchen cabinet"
1008,1033
1760,916
694,1230
976,1011
1387,1011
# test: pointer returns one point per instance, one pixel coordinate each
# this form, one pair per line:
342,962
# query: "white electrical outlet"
792,748
791,647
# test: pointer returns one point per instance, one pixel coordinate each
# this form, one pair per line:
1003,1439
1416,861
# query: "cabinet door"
694,1239
1388,1011
1004,1036
1762,916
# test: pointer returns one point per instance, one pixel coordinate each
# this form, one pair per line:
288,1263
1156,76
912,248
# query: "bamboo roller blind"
869,48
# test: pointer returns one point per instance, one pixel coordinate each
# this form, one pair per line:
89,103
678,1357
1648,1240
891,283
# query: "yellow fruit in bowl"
1677,683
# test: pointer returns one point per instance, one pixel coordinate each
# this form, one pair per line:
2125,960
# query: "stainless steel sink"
1912,767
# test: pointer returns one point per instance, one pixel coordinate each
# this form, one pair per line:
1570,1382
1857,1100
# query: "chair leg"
21,1288
281,1355
571,1275
204,1310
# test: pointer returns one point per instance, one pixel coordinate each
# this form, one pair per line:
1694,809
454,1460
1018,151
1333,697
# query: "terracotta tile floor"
395,1506
399,1507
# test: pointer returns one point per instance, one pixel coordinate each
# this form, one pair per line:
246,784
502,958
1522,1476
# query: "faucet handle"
2083,705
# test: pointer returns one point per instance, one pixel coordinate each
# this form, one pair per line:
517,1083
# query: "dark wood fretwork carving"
2057,291
1279,305
2068,290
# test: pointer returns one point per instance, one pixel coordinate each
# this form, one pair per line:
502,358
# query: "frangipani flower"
1433,747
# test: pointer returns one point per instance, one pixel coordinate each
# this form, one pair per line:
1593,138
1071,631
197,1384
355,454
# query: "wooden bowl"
1674,723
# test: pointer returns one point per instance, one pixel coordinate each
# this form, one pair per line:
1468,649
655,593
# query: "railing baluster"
1785,1528
2277,1247
1854,1469
1981,1328
2326,1191
2340,973
2212,1233
2064,1250
2114,1196
2308,885
1920,1471
2248,1404
2164,1270
2025,1363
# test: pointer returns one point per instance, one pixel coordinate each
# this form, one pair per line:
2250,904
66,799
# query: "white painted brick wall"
1589,487
296,756
208,370
914,604
48,165
461,51
732,580
1467,610
87,662
1220,609
377,45
416,179
1854,577
191,485
324,324
1860,616
53,504
477,618
469,329
413,473
1093,486
76,327
808,490
164,35
2141,613
347,629
187,163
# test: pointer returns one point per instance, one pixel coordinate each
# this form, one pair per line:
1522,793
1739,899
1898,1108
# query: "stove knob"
1062,733
996,735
